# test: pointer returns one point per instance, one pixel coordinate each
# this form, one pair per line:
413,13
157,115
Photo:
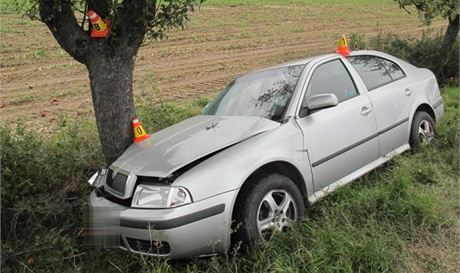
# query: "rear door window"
393,69
372,70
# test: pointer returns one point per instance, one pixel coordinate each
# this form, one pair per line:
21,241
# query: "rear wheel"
423,129
269,205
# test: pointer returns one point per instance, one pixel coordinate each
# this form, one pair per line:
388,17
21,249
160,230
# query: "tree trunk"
112,92
447,43
109,61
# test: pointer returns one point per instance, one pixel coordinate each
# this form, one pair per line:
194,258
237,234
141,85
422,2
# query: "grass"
22,100
13,6
402,217
40,52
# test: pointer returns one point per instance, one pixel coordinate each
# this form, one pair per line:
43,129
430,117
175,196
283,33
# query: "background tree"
110,61
431,9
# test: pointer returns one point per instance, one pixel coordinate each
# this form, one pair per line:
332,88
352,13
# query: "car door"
391,97
340,139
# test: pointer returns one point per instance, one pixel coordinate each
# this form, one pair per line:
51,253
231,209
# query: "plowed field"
40,82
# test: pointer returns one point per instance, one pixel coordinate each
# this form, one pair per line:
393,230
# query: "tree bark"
447,43
112,92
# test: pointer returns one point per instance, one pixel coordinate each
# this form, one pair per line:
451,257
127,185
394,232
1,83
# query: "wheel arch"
279,167
426,108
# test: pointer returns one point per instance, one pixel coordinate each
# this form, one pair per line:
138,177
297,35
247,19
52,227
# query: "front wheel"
271,204
423,129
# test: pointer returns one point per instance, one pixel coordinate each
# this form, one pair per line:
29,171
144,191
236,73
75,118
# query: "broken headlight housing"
98,179
160,196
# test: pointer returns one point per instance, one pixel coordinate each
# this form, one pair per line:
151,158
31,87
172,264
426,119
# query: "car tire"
253,211
423,129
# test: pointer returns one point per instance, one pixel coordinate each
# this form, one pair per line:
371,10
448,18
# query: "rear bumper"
197,229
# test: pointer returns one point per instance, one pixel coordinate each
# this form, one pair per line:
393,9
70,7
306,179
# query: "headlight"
156,196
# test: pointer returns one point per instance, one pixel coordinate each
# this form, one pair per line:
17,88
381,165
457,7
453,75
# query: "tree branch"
404,8
101,7
60,19
131,22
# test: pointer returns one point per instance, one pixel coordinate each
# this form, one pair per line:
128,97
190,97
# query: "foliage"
422,52
163,114
357,41
32,166
171,14
42,182
447,9
430,9
368,226
168,13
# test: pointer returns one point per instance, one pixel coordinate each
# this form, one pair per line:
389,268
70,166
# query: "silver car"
269,144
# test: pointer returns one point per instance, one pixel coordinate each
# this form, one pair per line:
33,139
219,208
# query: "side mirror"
322,101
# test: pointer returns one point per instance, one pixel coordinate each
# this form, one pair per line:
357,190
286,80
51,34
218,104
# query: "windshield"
264,94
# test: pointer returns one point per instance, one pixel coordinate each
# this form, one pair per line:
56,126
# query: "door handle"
407,92
365,110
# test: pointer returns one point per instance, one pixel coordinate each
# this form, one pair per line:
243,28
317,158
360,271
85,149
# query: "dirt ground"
40,83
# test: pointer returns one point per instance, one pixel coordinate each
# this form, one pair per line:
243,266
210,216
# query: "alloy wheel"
425,132
277,211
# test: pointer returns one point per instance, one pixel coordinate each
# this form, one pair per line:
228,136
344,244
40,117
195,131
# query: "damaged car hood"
174,147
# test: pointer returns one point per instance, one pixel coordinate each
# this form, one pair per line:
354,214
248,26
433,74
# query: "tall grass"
400,218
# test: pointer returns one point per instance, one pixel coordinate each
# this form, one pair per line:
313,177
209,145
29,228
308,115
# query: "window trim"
310,75
379,57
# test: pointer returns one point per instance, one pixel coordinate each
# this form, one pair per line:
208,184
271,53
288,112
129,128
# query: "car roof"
295,62
307,60
290,63
371,52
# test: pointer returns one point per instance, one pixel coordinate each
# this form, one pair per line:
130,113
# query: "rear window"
393,69
376,71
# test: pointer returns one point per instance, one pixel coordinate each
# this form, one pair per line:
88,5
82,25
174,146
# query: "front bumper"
197,229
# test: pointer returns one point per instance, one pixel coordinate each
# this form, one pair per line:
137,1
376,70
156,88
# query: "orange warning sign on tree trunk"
100,28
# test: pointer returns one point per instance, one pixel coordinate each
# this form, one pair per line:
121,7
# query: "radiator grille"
117,183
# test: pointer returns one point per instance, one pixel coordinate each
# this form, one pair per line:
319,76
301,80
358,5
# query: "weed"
357,41
40,52
22,100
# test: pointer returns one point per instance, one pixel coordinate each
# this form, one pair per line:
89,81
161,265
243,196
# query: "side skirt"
316,196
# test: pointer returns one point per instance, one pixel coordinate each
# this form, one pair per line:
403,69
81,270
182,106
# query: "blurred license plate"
104,228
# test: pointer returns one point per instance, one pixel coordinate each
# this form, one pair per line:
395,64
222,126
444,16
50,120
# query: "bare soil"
40,83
